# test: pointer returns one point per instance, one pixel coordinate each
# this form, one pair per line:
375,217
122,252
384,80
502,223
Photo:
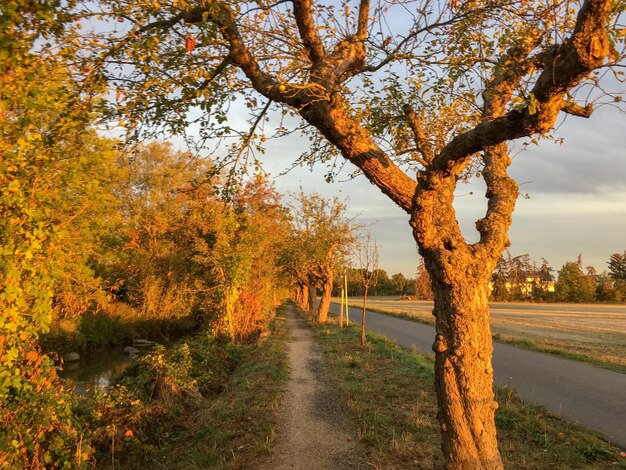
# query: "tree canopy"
573,285
416,95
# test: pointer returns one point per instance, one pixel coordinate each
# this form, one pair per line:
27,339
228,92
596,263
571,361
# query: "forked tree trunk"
460,274
327,291
464,375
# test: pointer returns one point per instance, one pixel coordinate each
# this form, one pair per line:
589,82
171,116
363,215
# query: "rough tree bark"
304,293
312,297
459,271
463,346
327,291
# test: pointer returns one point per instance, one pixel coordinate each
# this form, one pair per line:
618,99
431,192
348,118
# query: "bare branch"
569,107
413,34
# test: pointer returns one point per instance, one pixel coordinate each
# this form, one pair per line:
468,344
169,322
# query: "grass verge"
557,351
390,392
198,405
561,349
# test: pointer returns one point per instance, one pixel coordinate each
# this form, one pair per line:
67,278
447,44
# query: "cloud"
592,159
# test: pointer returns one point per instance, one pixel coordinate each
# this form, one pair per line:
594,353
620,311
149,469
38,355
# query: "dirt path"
313,430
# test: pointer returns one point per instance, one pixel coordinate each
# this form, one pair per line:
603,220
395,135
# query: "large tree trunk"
312,298
460,274
304,294
464,375
327,291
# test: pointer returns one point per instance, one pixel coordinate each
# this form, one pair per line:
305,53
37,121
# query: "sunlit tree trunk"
460,274
327,291
304,295
312,298
464,375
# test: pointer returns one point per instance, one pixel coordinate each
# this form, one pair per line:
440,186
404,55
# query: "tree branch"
419,136
510,69
356,145
413,34
222,16
364,9
569,107
307,29
565,66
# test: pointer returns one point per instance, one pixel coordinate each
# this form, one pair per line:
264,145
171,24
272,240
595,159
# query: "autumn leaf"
190,42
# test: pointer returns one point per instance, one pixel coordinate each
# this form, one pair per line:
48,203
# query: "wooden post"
345,290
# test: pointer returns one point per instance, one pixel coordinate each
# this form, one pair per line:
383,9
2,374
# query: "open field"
591,332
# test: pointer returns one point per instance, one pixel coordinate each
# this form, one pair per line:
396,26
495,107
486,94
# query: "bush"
131,419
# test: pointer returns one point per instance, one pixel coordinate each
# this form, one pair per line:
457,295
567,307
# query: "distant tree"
423,289
399,282
499,280
619,290
604,288
522,274
573,285
322,237
617,266
439,98
542,281
611,286
384,285
367,272
409,289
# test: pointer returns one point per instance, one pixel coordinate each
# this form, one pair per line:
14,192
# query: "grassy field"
389,391
590,332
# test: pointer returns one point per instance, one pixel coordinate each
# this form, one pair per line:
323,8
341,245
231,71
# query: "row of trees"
321,238
141,237
396,284
416,109
520,278
89,229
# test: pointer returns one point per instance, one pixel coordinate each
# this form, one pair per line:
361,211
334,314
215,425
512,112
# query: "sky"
576,197
576,191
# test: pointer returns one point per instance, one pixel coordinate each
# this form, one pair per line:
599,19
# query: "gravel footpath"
313,432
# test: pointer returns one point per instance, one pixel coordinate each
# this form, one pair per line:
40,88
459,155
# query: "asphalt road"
594,397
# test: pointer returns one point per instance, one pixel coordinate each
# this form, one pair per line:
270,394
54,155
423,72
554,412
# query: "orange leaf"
190,42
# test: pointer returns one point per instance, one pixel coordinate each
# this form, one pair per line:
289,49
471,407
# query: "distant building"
527,288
